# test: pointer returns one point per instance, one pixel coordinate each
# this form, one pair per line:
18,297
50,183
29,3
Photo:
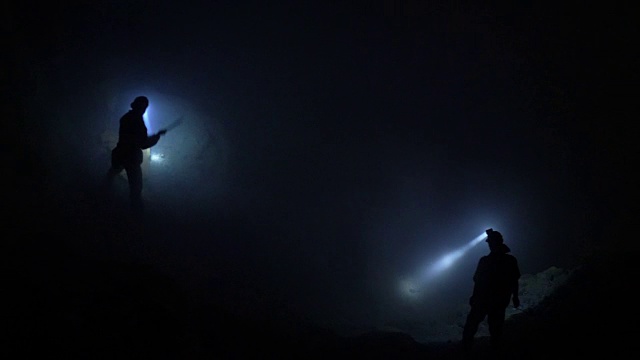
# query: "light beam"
145,117
410,288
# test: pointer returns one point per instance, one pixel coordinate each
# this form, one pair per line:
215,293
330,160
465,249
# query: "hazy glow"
157,157
410,288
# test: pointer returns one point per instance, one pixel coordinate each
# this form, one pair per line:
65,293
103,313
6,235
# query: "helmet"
140,103
494,237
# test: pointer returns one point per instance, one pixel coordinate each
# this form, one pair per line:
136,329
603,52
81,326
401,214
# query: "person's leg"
111,175
496,324
115,169
474,318
134,176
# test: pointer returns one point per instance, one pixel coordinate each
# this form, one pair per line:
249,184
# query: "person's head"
140,104
494,239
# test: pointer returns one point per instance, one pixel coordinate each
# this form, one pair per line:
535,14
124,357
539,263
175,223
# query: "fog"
327,156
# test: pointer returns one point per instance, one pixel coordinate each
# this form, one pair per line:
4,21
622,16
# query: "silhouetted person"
127,155
495,285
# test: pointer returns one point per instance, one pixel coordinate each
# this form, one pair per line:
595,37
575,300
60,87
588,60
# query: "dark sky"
349,144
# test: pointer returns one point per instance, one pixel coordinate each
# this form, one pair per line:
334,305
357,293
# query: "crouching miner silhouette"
495,285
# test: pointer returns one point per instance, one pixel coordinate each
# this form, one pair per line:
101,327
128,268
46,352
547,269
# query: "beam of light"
145,117
412,287
154,157
447,260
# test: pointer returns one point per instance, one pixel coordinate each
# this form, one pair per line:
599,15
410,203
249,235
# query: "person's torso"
496,274
132,132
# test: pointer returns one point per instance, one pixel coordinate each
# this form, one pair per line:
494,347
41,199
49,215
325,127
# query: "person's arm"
133,132
515,286
150,141
515,298
476,274
146,141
